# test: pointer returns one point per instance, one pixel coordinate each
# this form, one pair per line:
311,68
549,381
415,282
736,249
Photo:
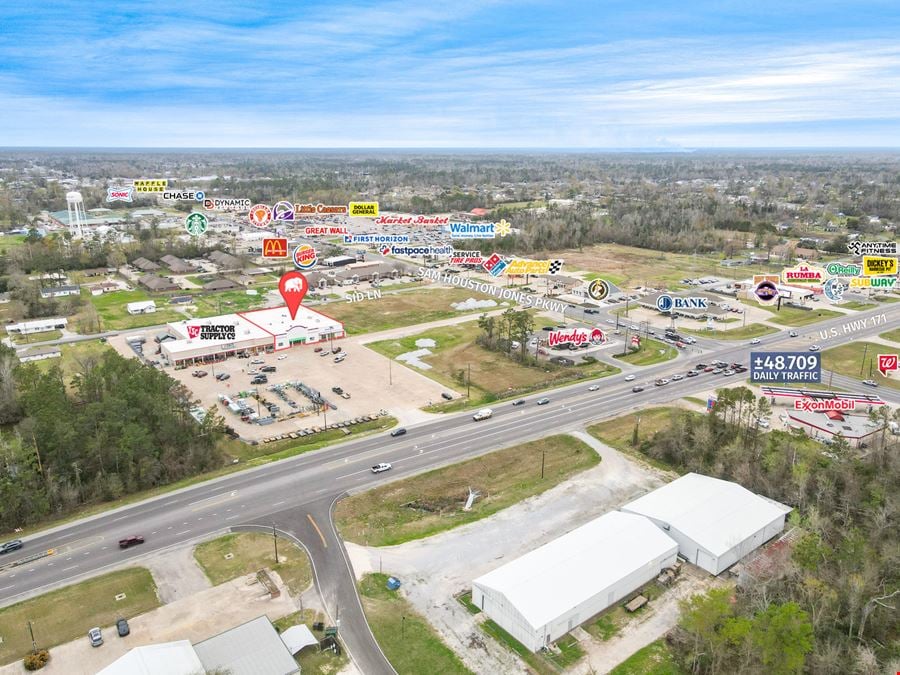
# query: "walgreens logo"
576,336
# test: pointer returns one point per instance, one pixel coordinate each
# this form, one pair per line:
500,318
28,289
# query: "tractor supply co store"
255,332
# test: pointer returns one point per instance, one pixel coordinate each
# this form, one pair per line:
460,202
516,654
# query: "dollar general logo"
874,266
364,209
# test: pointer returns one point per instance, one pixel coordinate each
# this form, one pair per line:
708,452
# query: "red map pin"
293,287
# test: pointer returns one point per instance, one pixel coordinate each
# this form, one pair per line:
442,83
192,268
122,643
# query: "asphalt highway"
296,494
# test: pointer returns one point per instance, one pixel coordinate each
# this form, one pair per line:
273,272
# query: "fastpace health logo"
418,250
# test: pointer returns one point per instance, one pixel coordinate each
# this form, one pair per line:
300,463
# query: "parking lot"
363,376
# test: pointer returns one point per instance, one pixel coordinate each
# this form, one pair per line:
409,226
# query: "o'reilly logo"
212,332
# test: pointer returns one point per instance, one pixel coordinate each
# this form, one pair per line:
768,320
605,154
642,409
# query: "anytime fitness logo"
576,336
212,332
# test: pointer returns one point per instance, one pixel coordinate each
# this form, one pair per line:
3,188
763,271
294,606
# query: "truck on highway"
483,414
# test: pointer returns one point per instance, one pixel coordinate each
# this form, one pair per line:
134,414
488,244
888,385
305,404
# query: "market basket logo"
874,266
212,331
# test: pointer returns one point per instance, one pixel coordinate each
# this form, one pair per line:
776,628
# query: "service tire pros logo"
305,257
598,290
260,215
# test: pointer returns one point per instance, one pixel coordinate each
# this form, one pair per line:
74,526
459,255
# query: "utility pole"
861,365
275,539
542,464
33,643
469,381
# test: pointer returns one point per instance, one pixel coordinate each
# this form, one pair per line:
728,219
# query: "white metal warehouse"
715,522
544,594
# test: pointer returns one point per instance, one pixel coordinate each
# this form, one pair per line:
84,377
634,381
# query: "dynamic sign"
196,224
879,266
189,196
275,247
598,290
143,185
576,336
120,194
478,230
667,303
305,257
211,332
412,220
872,247
799,367
803,274
260,215
226,204
364,209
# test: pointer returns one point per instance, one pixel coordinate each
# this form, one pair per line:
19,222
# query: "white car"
814,348
755,341
282,358
677,377
256,362
594,387
630,378
383,466
870,383
762,423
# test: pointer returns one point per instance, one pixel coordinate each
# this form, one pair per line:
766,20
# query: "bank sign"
212,332
668,303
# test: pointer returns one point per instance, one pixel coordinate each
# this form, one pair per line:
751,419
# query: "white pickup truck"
483,414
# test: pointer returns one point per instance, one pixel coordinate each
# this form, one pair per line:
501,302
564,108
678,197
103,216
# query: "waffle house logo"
159,185
211,332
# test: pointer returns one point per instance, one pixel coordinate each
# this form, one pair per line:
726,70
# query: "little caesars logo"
212,332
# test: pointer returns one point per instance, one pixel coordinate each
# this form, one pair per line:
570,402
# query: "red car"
133,540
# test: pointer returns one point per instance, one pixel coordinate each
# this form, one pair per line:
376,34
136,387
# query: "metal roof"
545,583
253,648
716,514
172,658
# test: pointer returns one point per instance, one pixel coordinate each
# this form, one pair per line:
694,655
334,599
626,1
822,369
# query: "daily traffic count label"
795,367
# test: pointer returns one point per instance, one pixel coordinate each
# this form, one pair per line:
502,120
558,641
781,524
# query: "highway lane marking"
215,500
324,543
347,475
66,569
279,503
5,588
116,520
178,534
232,517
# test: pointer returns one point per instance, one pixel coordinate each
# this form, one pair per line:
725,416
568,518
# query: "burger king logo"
305,257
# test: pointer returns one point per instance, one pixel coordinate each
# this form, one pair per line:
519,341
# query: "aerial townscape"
378,339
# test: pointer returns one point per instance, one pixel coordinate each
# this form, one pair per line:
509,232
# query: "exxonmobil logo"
826,405
576,336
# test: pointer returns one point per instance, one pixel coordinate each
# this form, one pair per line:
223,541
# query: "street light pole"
469,381
542,464
275,539
33,643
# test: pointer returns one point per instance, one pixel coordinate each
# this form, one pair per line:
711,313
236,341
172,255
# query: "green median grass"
650,352
892,335
251,552
742,333
407,640
792,316
70,612
654,659
432,502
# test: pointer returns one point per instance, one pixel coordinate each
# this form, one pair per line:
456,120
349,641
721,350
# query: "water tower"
77,219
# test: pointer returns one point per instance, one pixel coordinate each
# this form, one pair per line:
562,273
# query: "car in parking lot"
340,357
257,361
95,636
10,546
199,373
543,401
637,388
317,349
383,466
221,377
520,401
337,390
268,369
122,627
629,378
260,379
398,432
133,540
282,357
447,396
814,348
327,352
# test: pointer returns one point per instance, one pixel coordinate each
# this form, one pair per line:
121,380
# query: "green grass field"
654,659
33,338
493,374
651,351
74,356
409,642
114,316
401,309
617,279
418,507
860,306
69,612
542,663
892,335
226,302
742,333
848,360
792,316
251,552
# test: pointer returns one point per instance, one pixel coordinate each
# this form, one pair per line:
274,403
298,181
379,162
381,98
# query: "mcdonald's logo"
275,248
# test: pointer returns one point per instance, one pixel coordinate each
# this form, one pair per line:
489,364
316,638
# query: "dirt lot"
363,374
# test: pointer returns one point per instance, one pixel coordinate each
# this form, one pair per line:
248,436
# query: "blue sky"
468,73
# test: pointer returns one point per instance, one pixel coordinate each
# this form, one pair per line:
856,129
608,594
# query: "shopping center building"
214,338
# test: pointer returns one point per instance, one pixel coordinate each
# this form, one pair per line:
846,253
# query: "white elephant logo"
293,285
